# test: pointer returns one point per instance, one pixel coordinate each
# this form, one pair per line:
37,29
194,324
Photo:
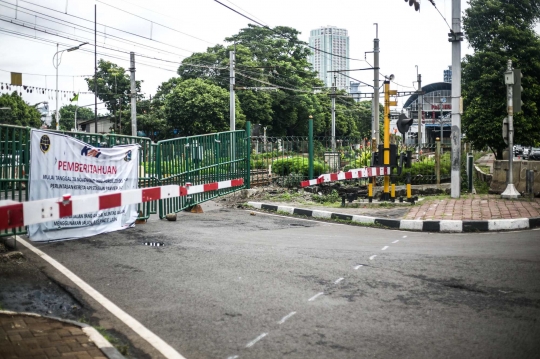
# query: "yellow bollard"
409,192
370,192
393,193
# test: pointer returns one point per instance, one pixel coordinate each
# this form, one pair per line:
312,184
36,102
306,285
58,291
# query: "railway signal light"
404,123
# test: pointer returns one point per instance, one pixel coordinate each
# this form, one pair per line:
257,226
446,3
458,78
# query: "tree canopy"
19,112
499,30
275,83
114,89
67,116
196,106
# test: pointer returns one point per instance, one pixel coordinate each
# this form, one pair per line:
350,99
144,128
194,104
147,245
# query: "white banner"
62,165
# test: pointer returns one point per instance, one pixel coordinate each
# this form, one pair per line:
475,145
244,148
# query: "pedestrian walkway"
29,336
474,207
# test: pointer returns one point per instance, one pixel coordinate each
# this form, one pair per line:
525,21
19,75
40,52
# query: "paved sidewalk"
476,207
32,336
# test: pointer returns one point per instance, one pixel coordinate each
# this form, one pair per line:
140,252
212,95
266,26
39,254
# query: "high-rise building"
335,44
448,74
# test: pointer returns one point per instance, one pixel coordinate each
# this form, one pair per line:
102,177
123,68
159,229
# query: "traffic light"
416,4
403,123
517,88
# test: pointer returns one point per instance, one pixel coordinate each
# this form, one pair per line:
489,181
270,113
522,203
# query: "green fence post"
248,155
310,147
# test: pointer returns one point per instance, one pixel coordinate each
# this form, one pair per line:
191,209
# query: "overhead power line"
154,22
91,21
282,35
91,30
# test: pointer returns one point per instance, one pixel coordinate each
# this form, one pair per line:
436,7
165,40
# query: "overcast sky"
407,38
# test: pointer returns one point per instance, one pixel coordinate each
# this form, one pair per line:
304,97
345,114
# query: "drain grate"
154,244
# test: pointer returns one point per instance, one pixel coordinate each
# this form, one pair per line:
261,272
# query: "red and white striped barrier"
351,174
18,214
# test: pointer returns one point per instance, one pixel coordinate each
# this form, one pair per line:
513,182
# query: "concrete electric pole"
455,37
133,95
420,107
509,80
333,134
375,123
232,106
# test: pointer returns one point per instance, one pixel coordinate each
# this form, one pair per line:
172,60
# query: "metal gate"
201,159
188,160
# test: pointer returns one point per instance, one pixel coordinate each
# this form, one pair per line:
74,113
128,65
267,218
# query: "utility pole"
232,105
57,113
95,68
375,123
420,107
456,36
133,95
334,115
510,191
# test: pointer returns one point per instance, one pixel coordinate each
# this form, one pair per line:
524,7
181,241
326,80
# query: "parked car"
534,155
526,151
518,150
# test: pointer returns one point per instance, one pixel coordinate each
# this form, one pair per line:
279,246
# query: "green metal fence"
198,160
14,167
15,164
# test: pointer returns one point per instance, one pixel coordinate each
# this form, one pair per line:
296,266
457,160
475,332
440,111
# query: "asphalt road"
229,284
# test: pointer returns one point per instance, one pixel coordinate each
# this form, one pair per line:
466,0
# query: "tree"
196,107
114,89
499,30
20,113
67,116
150,122
267,58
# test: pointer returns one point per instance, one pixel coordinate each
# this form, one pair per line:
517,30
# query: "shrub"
286,166
363,160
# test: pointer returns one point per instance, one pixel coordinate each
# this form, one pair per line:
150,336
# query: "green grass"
122,348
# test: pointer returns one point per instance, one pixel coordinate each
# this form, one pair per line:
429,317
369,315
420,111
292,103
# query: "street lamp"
58,56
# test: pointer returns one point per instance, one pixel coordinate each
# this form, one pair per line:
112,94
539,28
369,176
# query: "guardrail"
351,174
19,214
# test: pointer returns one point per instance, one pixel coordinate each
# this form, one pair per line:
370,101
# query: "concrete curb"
101,343
446,226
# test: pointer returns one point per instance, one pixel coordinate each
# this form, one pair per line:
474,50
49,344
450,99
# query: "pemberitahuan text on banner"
61,165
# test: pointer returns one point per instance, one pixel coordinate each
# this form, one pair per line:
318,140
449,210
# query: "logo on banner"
44,143
127,158
90,152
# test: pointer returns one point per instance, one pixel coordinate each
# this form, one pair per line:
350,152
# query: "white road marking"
286,317
404,236
384,248
252,343
315,296
397,240
165,349
358,266
373,256
339,280
233,357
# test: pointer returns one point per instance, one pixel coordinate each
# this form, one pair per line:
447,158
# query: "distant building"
448,74
436,110
333,41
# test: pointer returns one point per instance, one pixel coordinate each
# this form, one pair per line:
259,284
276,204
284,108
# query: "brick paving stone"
477,207
23,336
